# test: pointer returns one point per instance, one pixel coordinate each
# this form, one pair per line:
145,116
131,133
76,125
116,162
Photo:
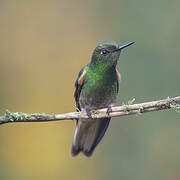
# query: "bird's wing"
118,75
79,84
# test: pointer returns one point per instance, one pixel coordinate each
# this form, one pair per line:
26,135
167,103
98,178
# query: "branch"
169,103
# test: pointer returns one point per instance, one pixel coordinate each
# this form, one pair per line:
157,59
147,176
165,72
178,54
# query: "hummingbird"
96,87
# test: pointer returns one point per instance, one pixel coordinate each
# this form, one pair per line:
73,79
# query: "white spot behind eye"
104,52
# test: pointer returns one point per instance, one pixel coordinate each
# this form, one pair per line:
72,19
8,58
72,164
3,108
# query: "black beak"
124,46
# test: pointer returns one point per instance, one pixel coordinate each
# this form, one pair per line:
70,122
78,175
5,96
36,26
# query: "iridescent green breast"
100,87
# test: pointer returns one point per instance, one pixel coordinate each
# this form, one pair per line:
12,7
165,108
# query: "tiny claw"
88,112
109,109
78,110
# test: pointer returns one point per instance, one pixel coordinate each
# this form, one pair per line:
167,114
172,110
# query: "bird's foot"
109,109
78,110
88,112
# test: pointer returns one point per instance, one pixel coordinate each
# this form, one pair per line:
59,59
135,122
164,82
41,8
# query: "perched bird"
97,86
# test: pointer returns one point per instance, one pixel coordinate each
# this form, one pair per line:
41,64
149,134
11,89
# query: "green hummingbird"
96,87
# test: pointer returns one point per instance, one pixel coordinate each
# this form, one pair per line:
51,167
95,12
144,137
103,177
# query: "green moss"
175,107
38,115
21,116
130,102
15,116
10,115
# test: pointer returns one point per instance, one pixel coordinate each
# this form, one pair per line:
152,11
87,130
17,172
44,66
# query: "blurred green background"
44,44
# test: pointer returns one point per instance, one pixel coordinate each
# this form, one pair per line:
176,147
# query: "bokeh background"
44,44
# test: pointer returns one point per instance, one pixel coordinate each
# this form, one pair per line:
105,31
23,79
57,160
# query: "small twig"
173,103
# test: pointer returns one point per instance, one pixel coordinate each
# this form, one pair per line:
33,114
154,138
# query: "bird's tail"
88,134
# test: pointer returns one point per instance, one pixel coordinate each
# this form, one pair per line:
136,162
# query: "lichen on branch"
129,109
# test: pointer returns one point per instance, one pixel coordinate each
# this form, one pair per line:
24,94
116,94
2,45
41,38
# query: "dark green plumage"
97,86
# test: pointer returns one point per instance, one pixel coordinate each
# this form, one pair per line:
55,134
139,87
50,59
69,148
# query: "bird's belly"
98,97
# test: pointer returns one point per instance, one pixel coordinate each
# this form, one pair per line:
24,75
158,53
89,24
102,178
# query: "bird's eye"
104,52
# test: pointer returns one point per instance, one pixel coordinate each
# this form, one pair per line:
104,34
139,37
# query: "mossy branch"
169,103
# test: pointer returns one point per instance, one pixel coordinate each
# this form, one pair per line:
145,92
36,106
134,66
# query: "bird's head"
107,52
